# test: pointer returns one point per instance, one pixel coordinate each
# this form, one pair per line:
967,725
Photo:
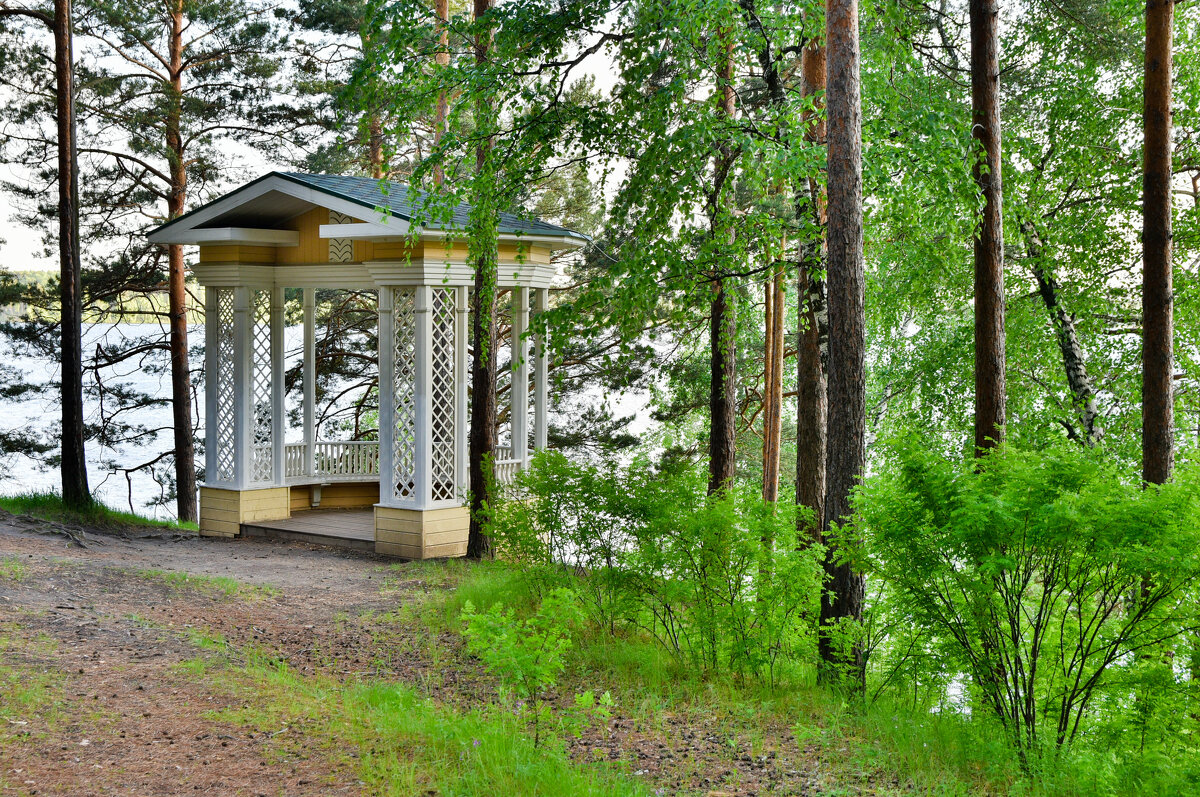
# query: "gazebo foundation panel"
336,495
417,534
222,512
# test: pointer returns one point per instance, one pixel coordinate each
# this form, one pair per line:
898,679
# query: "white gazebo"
290,230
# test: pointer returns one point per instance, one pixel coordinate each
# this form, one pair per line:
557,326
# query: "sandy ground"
133,722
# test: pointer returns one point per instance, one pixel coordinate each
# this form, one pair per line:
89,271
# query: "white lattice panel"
260,386
341,250
442,394
224,419
404,392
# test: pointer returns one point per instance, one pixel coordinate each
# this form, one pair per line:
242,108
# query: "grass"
888,746
398,742
13,569
219,586
49,506
31,697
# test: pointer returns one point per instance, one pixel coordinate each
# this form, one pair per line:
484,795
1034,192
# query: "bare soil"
131,720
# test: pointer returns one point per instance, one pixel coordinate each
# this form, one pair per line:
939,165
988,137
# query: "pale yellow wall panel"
400,551
398,537
445,551
235,253
231,515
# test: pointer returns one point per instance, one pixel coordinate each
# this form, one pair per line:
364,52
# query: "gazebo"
310,231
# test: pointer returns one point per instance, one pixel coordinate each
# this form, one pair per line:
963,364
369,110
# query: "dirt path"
110,629
110,638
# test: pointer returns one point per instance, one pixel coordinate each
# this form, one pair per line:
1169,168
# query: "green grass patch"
31,697
398,742
49,506
13,569
218,586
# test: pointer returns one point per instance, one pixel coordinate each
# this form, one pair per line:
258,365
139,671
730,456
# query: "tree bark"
181,380
442,9
843,597
813,338
989,240
1083,392
776,295
483,245
1157,301
722,388
75,490
722,460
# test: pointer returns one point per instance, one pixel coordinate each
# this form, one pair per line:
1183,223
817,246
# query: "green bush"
1044,578
526,654
722,582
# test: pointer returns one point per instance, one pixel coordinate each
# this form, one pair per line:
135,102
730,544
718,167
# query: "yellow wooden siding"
312,247
414,534
236,253
342,495
223,511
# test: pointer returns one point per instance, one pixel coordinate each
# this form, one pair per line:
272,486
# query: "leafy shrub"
526,654
723,583
1038,575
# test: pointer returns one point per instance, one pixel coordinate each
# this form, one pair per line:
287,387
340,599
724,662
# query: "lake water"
151,375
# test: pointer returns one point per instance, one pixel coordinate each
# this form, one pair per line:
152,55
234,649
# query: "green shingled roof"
402,202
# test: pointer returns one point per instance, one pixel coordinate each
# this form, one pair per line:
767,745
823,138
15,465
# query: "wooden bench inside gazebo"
403,494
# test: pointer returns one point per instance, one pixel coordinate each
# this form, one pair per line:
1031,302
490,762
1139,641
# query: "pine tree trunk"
722,460
74,463
775,295
1157,303
813,339
181,380
989,240
842,598
484,254
375,145
442,9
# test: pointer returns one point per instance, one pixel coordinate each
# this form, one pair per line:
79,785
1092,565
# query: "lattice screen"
341,250
444,482
262,453
404,392
224,415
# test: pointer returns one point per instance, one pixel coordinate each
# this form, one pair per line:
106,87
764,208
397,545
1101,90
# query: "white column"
519,393
243,402
423,399
541,376
460,391
310,380
212,322
387,398
278,420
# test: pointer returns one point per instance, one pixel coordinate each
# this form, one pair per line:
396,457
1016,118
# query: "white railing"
349,460
506,468
333,460
295,459
346,459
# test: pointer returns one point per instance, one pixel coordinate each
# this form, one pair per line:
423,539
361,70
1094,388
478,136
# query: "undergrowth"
400,743
49,506
877,746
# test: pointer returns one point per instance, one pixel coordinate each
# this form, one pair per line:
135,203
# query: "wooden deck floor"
339,528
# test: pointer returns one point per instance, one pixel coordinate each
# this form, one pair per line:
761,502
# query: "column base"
222,512
421,534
